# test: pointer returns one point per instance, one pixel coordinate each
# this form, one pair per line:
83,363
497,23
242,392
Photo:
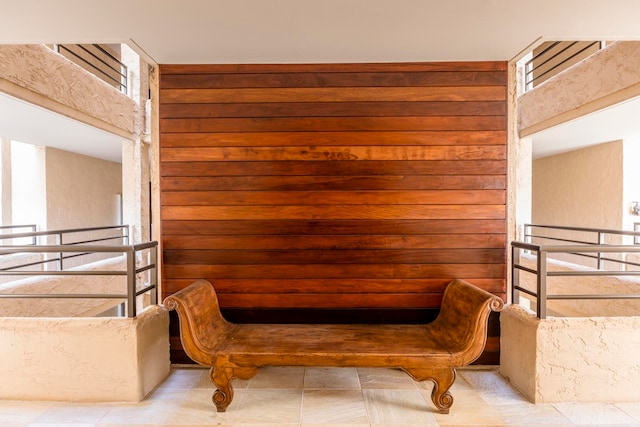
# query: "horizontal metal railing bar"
595,296
564,61
551,57
31,226
594,273
577,248
64,273
66,296
44,261
145,245
102,239
523,268
557,239
68,248
526,291
144,290
547,49
593,230
63,231
145,268
94,67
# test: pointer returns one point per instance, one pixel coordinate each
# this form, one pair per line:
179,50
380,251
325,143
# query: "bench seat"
432,351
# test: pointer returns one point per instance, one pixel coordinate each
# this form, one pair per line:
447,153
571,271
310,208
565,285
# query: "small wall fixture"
635,208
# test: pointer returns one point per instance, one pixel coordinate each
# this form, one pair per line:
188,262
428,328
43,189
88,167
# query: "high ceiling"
282,31
305,31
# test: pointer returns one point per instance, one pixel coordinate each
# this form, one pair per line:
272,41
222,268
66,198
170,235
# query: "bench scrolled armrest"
461,325
202,326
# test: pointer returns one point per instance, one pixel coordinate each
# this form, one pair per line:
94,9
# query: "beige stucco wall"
571,359
576,285
606,78
579,188
13,307
81,191
38,75
84,359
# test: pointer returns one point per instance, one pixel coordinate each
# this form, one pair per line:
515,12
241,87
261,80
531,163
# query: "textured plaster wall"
65,285
81,190
84,359
580,188
603,285
607,77
39,75
571,359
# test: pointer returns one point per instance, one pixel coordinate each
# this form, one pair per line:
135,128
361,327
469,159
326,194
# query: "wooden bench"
426,352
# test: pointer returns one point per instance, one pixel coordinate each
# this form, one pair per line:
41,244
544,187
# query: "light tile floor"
322,396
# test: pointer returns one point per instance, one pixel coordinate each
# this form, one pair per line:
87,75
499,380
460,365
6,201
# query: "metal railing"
583,248
132,272
97,60
582,236
66,237
555,57
12,228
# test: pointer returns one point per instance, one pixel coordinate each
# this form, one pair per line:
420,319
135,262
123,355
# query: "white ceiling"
621,121
275,31
25,122
306,31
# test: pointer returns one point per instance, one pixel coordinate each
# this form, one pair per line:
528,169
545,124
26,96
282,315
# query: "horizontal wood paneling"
333,186
289,139
335,168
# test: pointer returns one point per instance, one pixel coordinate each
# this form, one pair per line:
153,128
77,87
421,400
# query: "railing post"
600,242
131,282
61,254
515,274
153,275
541,300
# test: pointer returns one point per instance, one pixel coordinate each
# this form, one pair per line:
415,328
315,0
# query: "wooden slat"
293,139
334,109
334,212
364,227
333,124
262,154
334,168
335,271
336,286
334,242
208,80
167,69
348,94
318,183
345,256
277,198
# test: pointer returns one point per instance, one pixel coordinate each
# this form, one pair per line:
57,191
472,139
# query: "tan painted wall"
580,188
84,359
38,75
571,359
81,190
606,78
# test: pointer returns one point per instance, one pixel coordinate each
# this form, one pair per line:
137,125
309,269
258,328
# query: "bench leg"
222,373
442,380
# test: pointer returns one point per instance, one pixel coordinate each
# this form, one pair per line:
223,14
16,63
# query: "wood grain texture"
333,186
455,339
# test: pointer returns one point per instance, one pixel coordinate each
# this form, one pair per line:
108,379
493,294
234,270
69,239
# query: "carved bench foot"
442,381
222,373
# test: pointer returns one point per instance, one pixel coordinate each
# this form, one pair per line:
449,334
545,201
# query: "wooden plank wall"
334,187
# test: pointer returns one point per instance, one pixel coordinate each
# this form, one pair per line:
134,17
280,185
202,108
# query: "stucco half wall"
84,359
565,359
